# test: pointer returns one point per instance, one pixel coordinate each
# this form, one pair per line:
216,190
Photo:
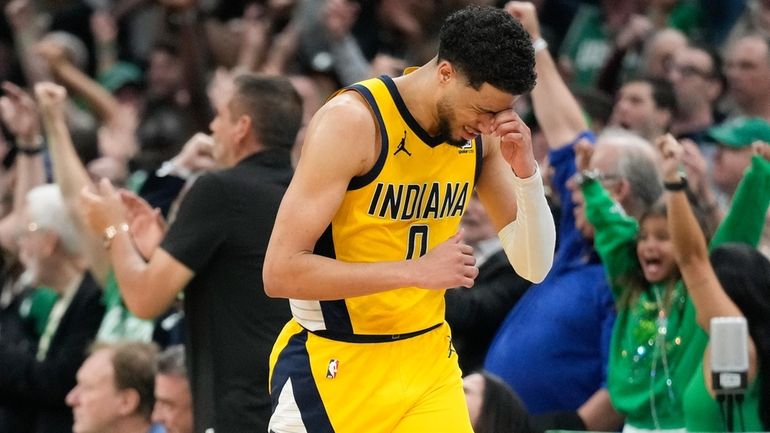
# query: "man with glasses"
695,74
626,165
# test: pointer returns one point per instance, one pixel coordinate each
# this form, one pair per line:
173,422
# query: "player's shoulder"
343,126
347,108
346,115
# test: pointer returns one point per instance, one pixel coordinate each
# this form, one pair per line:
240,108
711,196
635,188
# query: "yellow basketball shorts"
410,385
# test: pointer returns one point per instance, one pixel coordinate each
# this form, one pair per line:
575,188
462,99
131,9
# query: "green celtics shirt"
119,323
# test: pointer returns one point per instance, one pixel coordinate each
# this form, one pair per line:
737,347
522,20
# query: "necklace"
660,352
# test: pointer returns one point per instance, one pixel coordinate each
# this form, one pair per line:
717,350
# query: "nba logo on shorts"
331,371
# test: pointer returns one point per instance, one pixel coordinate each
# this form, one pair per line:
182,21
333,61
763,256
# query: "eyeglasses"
594,175
690,71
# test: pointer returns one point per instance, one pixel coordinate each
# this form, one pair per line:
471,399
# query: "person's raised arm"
254,38
615,232
19,115
745,219
690,250
338,17
68,171
340,144
282,50
556,109
105,106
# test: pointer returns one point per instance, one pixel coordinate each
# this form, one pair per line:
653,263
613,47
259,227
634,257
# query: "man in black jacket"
34,382
214,251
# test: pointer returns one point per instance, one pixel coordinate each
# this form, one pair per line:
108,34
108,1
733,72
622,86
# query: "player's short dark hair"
489,46
274,106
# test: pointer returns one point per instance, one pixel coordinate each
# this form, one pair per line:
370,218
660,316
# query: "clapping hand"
146,224
102,207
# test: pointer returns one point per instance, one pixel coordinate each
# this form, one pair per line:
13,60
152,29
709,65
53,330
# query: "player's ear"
445,72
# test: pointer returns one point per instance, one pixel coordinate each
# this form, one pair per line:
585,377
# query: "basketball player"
366,238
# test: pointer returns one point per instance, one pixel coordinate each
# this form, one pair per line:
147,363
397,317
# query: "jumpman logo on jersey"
402,146
451,348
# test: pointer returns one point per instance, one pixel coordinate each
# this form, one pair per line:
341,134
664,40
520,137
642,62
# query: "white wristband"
539,44
530,239
173,169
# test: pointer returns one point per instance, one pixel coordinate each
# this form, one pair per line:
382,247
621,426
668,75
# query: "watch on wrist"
34,148
171,168
681,185
110,232
587,176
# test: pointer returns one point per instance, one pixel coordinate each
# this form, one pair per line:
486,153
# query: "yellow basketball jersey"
410,201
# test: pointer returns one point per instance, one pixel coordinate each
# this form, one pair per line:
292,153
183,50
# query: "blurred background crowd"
138,82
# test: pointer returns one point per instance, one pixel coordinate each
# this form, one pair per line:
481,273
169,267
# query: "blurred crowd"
634,98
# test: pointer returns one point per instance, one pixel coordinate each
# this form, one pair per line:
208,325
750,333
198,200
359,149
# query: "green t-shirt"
702,412
743,223
687,17
119,323
615,241
587,45
652,356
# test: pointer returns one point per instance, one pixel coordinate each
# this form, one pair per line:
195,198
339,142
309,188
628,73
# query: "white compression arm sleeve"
530,239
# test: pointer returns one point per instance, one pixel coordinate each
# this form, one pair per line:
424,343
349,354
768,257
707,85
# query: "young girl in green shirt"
735,282
657,345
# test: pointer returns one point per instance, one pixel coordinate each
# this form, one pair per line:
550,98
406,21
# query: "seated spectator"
493,406
35,382
114,392
173,401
